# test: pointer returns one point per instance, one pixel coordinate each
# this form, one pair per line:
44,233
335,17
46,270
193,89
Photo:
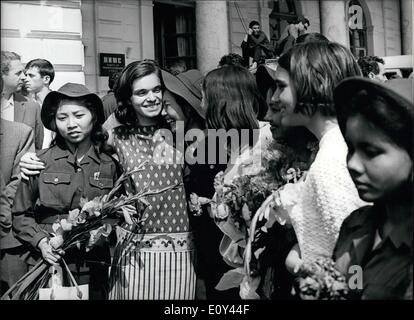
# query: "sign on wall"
110,63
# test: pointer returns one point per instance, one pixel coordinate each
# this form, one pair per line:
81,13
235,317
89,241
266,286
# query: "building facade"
84,38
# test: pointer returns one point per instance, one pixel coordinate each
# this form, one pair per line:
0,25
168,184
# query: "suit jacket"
109,104
28,112
15,140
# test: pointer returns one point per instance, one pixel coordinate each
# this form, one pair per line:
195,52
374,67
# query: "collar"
5,104
369,218
402,233
60,153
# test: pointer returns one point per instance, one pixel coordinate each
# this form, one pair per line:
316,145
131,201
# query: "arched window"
357,27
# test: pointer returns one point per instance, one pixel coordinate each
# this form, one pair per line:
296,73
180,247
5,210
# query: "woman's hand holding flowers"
48,253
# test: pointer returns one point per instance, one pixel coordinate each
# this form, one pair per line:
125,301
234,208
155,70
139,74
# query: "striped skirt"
153,267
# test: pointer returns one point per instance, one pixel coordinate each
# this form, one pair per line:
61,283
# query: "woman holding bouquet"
305,79
232,102
154,259
375,245
75,166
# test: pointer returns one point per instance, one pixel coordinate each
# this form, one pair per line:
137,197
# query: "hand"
250,31
30,165
47,252
293,261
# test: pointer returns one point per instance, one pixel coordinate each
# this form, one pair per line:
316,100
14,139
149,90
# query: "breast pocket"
99,187
54,189
101,183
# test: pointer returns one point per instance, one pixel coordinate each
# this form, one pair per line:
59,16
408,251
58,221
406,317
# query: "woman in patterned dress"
154,259
159,261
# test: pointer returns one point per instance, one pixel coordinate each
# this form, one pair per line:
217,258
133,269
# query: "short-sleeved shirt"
387,267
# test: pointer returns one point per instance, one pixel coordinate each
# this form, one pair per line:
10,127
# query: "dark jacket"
109,104
58,189
15,140
386,270
28,112
258,48
49,196
207,236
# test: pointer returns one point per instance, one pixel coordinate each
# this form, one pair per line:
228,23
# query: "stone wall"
50,30
122,26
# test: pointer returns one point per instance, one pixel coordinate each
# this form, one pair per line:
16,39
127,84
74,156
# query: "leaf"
248,287
231,279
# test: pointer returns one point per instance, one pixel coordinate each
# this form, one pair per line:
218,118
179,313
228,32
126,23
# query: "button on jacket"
58,189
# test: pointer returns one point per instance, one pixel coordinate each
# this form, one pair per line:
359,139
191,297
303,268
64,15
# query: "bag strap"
72,279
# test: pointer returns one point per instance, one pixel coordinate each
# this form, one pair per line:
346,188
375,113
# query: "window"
174,27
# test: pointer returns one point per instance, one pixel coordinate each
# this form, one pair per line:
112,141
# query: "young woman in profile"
377,122
232,101
305,79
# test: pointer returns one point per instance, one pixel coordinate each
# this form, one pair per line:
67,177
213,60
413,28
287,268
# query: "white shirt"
7,108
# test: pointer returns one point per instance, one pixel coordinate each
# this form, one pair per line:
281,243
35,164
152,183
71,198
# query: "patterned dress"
157,261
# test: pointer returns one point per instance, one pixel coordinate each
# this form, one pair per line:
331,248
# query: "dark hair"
113,78
6,58
231,59
301,19
253,23
315,69
231,98
178,67
99,136
311,37
125,113
385,115
44,66
369,64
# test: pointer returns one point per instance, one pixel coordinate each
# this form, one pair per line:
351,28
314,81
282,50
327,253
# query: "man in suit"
14,106
15,140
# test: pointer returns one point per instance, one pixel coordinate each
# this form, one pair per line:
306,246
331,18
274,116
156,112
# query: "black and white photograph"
206,154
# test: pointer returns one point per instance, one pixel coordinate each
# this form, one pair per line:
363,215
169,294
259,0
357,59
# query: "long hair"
231,98
315,69
99,135
125,112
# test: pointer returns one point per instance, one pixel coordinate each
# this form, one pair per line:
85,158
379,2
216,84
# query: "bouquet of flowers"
234,207
320,280
84,228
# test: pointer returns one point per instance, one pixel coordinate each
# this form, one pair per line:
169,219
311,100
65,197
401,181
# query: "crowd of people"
350,201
